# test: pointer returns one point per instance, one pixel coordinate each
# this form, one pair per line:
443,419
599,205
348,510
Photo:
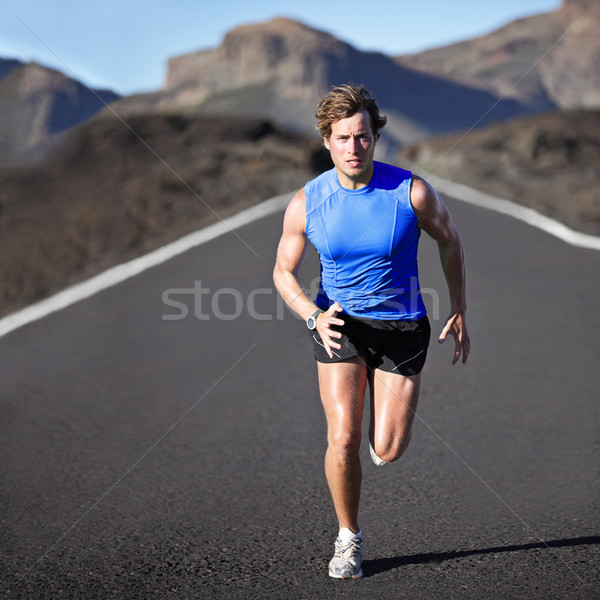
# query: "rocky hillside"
37,104
106,197
546,60
281,68
547,162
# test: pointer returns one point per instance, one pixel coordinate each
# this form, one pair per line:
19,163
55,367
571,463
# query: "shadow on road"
379,565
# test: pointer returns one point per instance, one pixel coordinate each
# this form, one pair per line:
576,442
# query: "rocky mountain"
546,60
113,191
548,162
38,104
281,68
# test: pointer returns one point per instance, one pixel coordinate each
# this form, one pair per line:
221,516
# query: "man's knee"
392,449
344,444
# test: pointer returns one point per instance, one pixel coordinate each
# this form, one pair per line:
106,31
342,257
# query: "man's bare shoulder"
297,204
295,214
432,214
299,199
422,196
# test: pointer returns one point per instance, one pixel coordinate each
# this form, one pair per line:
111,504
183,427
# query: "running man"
368,323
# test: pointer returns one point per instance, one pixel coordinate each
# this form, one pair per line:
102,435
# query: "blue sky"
124,45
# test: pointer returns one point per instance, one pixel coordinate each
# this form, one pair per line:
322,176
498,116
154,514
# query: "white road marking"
522,213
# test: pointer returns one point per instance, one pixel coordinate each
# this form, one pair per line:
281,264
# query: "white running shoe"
347,560
378,461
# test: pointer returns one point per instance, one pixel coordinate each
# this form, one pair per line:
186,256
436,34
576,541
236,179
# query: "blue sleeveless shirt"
367,240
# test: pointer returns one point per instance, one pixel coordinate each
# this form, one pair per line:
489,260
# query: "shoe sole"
349,576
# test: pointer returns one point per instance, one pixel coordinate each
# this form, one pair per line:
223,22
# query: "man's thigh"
394,400
342,386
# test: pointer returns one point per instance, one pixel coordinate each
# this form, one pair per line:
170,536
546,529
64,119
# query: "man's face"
351,145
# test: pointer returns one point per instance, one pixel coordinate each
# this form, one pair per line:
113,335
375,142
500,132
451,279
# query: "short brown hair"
342,102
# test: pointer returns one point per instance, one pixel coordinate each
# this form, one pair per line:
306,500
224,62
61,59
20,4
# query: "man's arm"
290,256
435,219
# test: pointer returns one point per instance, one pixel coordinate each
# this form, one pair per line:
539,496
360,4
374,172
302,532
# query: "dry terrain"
115,191
548,162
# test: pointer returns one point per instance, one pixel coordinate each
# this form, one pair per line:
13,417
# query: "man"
368,322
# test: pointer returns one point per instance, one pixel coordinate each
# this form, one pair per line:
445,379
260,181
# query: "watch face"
311,322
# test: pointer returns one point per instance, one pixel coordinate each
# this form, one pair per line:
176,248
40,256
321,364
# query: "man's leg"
394,401
342,385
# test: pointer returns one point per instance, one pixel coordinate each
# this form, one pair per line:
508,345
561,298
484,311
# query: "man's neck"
350,183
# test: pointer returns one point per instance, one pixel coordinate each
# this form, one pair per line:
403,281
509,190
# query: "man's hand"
324,322
456,326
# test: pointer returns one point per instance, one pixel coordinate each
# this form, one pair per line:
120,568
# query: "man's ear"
326,143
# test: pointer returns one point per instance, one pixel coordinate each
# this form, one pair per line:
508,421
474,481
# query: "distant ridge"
543,60
37,105
280,69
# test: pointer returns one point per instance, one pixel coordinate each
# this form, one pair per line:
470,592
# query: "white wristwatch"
311,322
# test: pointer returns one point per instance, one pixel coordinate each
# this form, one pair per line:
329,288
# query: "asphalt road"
144,457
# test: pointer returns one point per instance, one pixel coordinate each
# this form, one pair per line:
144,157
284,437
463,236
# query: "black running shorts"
393,346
